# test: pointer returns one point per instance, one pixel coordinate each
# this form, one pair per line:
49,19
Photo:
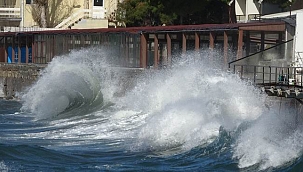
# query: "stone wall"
15,78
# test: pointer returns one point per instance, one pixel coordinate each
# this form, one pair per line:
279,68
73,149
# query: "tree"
283,4
39,12
49,13
169,12
136,13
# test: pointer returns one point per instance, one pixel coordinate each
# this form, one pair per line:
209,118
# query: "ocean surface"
84,114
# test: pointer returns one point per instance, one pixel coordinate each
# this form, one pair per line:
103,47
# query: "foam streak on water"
167,112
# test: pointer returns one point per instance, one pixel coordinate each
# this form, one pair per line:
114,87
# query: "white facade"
247,10
298,43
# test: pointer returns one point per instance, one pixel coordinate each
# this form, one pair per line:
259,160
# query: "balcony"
10,16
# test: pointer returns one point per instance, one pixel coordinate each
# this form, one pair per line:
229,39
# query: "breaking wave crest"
193,105
70,85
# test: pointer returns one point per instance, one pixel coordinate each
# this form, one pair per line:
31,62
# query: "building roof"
282,15
153,29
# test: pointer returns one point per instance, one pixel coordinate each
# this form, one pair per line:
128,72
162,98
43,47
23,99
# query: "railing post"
255,71
276,75
301,78
263,77
294,72
241,73
269,74
287,79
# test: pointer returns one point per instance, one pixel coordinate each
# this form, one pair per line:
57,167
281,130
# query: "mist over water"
193,107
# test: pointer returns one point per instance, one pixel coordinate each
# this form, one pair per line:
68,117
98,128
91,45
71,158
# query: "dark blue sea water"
80,116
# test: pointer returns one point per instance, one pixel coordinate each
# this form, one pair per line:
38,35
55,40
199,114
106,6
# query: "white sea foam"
3,167
188,103
183,106
271,141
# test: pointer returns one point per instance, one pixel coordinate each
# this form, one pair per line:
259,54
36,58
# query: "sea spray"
73,82
274,139
3,167
177,109
188,103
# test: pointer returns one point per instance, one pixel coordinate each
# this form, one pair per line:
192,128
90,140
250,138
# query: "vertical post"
287,81
42,54
246,11
168,40
295,76
143,50
280,37
183,42
73,41
54,46
82,40
276,74
263,75
211,40
225,46
33,49
13,49
234,69
5,51
197,41
127,49
255,72
156,51
240,44
26,49
66,41
262,40
269,74
247,42
241,73
19,49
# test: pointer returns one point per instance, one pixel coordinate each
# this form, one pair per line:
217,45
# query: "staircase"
74,18
80,15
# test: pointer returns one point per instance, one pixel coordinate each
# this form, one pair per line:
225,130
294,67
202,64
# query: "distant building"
250,10
74,14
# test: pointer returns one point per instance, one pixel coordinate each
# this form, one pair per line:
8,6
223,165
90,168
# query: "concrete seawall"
15,78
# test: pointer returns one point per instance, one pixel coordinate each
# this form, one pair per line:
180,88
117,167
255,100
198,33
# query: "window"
98,2
28,1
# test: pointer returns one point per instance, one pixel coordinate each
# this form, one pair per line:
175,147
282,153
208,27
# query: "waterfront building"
17,15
